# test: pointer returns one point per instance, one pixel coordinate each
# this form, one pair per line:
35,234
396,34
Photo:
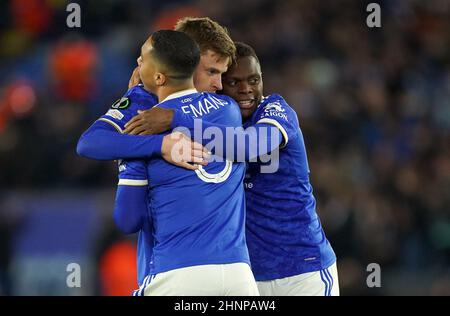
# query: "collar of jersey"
179,94
262,101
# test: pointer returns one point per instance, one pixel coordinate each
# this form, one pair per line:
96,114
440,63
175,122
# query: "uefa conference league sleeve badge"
121,104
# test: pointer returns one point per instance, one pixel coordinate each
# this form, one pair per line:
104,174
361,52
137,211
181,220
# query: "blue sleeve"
121,111
130,208
131,204
275,111
102,142
235,144
104,139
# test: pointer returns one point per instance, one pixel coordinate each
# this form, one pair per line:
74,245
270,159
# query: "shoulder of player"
276,102
274,99
220,97
229,111
123,109
228,102
139,96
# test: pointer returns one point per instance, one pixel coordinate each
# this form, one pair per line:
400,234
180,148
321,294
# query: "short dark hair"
245,50
176,51
209,35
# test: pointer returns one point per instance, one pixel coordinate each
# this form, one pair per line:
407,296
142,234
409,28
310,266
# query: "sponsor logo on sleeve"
274,106
275,109
115,114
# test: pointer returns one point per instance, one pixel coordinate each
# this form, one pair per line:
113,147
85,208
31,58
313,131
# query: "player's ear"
160,79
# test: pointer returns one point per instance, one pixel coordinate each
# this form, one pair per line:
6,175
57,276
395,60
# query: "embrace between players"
200,231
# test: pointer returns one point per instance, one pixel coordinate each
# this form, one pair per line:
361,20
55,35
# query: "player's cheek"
233,92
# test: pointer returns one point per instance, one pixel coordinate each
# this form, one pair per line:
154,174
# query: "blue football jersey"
284,233
137,98
198,217
134,173
124,109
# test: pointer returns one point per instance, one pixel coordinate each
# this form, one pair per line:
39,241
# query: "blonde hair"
209,35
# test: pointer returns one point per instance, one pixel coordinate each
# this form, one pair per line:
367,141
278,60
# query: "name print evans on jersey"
198,217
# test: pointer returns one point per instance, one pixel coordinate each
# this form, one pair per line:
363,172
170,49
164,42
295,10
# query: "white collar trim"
179,94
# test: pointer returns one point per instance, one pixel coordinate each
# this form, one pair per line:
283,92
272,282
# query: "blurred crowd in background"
373,105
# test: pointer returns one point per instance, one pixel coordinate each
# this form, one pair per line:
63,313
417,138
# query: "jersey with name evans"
137,98
198,216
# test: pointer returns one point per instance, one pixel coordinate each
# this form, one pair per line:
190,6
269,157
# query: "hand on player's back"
180,150
154,121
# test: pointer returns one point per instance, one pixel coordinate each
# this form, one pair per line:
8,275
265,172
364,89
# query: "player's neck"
166,91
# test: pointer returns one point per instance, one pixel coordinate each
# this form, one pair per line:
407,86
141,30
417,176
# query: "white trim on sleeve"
277,125
117,127
134,183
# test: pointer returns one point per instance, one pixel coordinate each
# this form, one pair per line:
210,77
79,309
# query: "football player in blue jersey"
105,140
289,252
196,218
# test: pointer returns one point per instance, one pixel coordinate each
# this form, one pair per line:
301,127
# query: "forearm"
102,142
130,208
249,144
235,144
